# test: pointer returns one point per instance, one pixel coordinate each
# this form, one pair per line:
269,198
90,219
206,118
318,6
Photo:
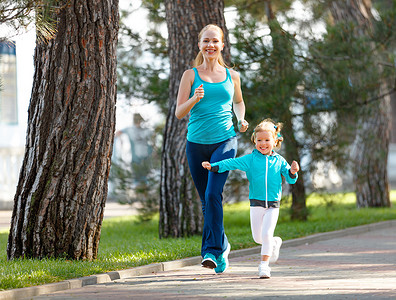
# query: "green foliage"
385,26
267,67
17,13
323,82
347,69
126,242
258,8
156,10
20,14
143,67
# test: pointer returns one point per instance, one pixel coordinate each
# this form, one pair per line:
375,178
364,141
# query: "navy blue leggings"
210,188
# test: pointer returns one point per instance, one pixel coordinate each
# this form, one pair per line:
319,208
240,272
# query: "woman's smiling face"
265,142
211,43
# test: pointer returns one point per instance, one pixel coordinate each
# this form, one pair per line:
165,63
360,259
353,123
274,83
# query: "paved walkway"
357,263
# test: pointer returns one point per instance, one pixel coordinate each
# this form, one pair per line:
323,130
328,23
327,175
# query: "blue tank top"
211,118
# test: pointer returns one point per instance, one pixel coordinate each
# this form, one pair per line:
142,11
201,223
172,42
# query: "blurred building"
8,91
11,146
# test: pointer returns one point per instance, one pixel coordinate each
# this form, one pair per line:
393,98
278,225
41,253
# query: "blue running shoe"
222,261
209,261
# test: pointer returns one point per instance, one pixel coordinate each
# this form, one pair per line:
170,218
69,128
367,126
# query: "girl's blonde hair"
270,126
199,58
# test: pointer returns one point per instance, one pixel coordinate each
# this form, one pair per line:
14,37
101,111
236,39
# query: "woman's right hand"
184,102
199,92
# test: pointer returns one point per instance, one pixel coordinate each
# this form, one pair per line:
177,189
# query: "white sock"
266,263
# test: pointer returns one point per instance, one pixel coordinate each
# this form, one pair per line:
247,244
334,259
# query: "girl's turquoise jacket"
263,172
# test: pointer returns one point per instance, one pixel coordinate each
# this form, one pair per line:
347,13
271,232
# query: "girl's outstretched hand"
206,165
294,167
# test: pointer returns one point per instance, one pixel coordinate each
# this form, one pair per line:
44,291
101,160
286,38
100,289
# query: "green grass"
126,243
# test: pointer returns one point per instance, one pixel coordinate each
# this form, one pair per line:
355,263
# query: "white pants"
263,222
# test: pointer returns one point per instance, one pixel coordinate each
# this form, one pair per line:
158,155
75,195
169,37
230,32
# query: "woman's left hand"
242,125
207,165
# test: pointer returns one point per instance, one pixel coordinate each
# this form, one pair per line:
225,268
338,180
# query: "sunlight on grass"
127,243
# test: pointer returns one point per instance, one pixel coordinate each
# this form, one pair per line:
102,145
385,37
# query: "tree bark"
62,188
298,210
371,146
180,209
370,154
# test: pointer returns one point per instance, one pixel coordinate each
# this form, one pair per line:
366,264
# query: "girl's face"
211,44
265,142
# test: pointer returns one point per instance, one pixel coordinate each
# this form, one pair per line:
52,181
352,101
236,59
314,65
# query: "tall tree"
180,209
62,188
370,153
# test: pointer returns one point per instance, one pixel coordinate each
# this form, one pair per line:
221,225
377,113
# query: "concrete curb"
176,264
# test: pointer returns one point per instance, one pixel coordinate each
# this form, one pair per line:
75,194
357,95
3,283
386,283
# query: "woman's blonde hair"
270,126
199,58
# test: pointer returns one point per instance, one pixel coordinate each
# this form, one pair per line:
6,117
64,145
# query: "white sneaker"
264,271
275,251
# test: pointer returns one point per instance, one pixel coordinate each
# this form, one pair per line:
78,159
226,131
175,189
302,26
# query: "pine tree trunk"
62,189
180,208
299,207
370,153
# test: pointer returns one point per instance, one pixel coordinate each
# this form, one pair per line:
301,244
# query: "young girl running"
263,168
